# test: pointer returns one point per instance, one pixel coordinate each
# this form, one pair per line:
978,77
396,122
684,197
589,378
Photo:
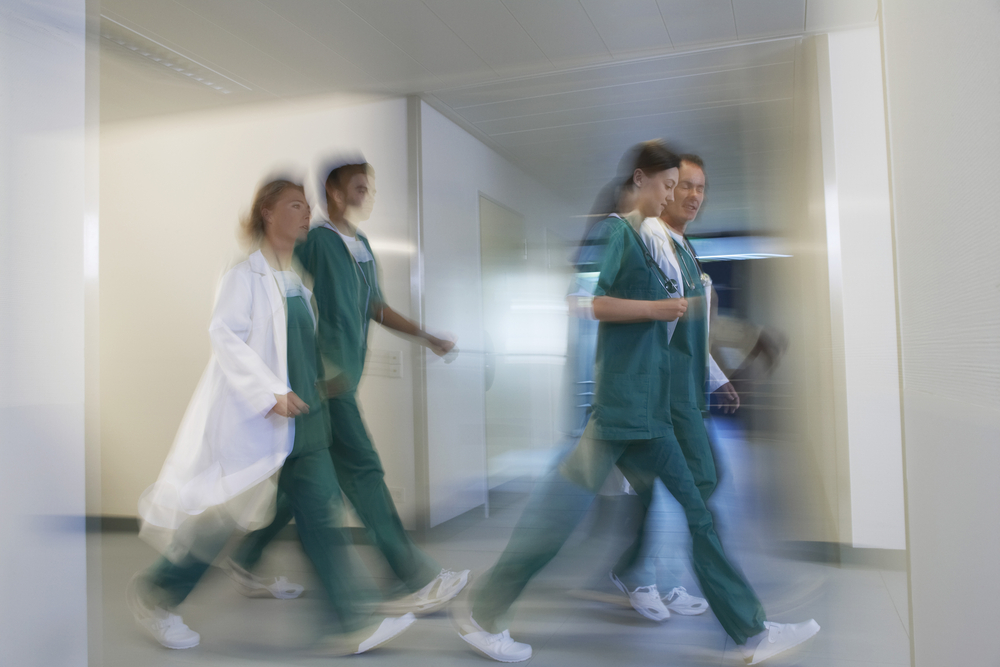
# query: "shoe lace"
646,590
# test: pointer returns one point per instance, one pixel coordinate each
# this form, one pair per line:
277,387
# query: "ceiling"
560,87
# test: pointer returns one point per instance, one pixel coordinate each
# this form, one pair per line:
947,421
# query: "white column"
862,284
43,616
943,101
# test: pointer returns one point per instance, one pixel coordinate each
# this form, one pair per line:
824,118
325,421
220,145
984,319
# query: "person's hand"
439,346
668,310
726,398
289,405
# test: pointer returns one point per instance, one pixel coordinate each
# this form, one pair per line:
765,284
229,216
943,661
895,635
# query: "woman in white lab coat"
256,411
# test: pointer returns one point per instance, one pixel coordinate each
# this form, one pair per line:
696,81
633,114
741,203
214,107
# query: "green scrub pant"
309,486
359,470
636,567
561,501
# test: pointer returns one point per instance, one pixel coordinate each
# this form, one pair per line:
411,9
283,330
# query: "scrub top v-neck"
347,295
632,370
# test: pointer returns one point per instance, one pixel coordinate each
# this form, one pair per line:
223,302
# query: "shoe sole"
787,651
617,582
176,647
389,638
265,593
389,610
492,657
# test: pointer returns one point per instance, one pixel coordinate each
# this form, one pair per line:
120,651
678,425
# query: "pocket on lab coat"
623,400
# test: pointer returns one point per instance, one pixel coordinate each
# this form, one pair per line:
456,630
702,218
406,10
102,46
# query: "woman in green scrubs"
631,426
262,299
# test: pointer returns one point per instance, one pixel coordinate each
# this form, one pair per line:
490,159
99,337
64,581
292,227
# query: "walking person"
256,412
339,259
631,426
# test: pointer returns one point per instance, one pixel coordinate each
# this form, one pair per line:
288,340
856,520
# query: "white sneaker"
441,590
166,628
498,646
679,601
253,586
777,638
364,640
645,600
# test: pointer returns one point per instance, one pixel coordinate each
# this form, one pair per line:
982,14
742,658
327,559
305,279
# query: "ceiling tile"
765,18
491,31
629,26
561,29
339,30
612,74
692,23
418,32
202,40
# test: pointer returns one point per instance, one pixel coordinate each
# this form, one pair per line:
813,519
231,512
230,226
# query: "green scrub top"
347,296
689,344
632,372
312,430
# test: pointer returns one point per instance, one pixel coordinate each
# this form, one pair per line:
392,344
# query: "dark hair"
339,177
693,159
252,225
651,157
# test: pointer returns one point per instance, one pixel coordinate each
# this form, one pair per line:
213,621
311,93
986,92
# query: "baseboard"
844,554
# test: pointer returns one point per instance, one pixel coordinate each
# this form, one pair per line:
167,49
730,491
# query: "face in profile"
655,191
288,217
359,198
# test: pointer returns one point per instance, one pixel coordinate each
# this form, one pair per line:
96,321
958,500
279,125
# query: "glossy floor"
862,610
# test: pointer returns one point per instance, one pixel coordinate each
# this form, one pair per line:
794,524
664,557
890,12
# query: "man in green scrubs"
340,261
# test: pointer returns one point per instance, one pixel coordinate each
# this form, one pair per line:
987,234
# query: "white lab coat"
228,449
657,239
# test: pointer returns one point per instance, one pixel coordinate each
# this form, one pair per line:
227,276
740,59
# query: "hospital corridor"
449,332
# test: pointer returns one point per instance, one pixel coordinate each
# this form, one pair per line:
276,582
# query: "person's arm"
388,317
613,309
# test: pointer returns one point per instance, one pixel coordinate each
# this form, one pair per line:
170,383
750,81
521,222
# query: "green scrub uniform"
688,374
347,296
631,426
309,491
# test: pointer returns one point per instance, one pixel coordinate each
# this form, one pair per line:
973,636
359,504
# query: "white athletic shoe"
364,640
645,600
499,646
253,586
441,590
778,638
679,601
166,628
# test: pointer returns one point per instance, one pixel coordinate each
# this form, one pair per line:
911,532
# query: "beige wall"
943,101
171,192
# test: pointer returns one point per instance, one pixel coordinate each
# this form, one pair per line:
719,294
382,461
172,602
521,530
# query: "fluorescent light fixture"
161,54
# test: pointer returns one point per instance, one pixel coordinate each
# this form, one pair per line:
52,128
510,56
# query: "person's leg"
310,485
248,553
635,567
555,508
730,597
359,470
196,544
